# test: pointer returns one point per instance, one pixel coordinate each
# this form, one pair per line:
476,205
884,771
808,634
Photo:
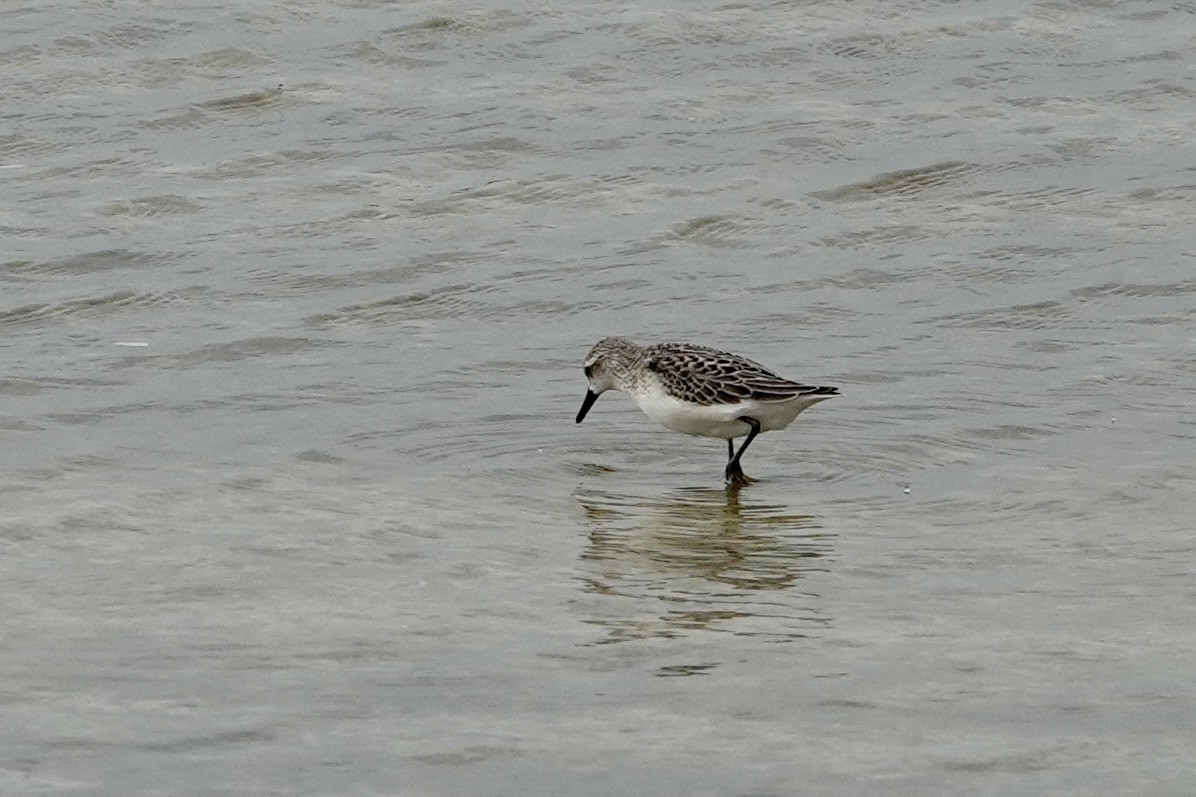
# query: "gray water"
293,305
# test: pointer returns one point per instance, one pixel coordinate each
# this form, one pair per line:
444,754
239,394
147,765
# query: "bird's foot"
735,475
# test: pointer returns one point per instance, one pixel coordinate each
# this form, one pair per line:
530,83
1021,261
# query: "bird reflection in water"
701,560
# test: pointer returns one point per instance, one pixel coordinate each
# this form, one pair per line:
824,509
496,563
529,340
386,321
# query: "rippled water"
293,305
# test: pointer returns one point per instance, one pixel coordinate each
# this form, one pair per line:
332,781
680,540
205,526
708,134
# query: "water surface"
293,306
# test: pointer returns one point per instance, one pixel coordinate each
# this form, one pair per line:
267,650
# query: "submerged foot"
735,475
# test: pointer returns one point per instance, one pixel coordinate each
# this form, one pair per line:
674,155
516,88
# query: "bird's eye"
589,371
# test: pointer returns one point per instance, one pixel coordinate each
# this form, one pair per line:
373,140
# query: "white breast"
719,420
680,416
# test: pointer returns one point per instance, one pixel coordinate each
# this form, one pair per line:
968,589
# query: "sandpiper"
700,391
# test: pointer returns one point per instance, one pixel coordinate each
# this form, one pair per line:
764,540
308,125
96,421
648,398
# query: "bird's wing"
708,376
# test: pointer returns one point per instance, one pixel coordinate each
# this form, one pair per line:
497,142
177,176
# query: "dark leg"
734,473
730,450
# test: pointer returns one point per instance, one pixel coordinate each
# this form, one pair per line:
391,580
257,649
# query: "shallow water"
293,306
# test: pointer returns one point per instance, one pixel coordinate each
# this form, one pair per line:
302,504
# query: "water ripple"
908,183
87,308
700,561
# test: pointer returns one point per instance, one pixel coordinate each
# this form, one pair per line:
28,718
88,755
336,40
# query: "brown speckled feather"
706,376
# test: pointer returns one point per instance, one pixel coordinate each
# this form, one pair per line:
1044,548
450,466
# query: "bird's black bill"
591,397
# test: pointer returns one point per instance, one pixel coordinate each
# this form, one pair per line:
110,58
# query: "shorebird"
699,391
